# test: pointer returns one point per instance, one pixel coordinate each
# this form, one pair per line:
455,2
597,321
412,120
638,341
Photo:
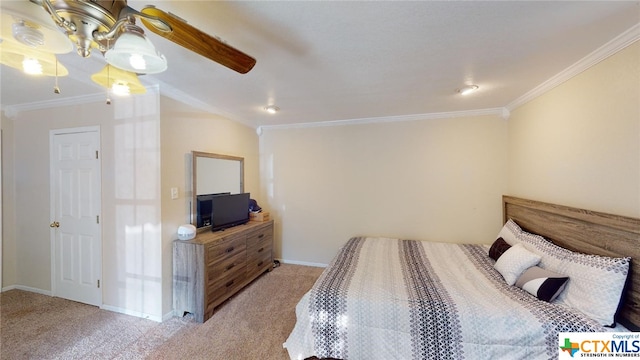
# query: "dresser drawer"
262,243
260,236
224,287
225,248
257,251
259,262
226,268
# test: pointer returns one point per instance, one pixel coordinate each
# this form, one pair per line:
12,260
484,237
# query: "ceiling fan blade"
199,42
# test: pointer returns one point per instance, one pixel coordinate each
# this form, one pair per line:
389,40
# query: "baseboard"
132,313
168,316
305,263
27,288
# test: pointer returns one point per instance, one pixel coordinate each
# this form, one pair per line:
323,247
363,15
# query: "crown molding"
612,47
13,110
387,119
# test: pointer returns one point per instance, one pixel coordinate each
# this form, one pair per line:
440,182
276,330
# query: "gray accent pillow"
546,285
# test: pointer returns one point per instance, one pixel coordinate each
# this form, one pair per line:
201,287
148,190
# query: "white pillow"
596,282
510,232
514,262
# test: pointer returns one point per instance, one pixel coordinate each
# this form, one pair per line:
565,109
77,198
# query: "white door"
75,211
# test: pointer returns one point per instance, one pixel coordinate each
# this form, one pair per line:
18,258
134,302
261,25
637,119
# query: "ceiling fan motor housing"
88,17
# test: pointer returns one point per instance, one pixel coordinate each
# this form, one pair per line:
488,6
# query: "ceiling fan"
32,31
102,25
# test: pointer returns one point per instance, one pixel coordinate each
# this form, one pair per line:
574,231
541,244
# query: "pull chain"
108,76
56,89
108,84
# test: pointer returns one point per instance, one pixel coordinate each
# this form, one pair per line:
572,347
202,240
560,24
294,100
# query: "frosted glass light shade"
14,55
115,79
34,19
134,52
468,89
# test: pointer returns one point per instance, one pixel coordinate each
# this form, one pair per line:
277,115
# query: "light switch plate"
174,193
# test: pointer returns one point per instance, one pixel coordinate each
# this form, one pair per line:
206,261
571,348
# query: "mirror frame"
194,176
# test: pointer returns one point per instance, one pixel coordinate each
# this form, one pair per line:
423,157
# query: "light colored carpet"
253,324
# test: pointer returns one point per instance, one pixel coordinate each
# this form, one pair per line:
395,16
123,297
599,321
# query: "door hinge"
98,283
97,219
96,154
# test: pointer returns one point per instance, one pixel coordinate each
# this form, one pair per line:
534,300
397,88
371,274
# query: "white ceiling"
326,61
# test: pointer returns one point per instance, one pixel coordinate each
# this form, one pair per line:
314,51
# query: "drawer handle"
230,267
260,263
260,249
229,283
260,236
229,249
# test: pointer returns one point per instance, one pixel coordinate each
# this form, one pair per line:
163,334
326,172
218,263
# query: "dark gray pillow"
498,248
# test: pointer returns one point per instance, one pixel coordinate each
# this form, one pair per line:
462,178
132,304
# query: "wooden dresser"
212,267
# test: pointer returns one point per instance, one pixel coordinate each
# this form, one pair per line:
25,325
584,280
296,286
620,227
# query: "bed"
550,269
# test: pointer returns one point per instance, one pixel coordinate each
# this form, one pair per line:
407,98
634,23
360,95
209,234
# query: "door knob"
54,224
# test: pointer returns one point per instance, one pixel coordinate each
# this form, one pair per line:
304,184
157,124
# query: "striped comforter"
384,298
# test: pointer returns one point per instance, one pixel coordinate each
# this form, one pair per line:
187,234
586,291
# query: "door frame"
52,205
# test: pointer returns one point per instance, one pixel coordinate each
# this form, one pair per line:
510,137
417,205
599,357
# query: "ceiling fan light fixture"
121,89
468,89
119,81
134,52
137,62
29,60
271,109
27,35
31,66
26,22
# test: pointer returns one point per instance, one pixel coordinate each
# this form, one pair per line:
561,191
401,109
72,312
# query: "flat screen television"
203,208
229,210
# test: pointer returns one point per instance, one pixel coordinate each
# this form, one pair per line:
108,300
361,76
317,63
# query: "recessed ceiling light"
466,90
272,109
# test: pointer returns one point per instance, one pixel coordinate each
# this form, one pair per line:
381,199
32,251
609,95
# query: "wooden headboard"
587,232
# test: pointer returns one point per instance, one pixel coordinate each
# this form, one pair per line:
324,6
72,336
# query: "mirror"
213,174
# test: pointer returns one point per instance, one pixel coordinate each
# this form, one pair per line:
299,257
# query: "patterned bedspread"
384,298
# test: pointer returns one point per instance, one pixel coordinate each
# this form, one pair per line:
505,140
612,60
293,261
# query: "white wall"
185,129
9,243
438,180
144,155
579,144
442,180
132,243
1,266
130,135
